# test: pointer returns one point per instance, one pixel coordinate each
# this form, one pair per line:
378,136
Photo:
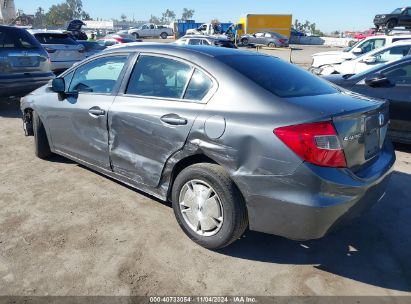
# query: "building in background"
7,11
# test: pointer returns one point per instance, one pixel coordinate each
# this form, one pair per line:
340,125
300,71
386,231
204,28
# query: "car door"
259,38
405,18
77,122
391,54
397,91
151,120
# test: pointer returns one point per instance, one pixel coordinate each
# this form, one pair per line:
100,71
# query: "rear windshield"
277,76
17,39
50,38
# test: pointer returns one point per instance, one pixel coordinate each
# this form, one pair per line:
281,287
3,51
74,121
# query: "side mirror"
377,81
58,85
357,51
370,59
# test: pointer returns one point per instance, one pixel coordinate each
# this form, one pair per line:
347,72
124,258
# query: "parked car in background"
206,40
114,39
399,17
374,58
363,35
24,63
390,82
294,158
92,47
63,50
152,30
270,39
324,63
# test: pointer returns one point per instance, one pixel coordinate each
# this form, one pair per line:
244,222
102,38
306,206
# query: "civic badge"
381,119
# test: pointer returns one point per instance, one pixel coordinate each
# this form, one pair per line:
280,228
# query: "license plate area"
372,138
372,143
25,61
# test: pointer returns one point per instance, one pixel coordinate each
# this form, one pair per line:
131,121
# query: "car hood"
330,53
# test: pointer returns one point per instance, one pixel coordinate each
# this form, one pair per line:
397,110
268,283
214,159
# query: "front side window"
372,44
98,76
159,77
400,75
392,54
194,42
200,84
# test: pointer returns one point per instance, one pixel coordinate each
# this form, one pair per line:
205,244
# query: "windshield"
277,76
397,11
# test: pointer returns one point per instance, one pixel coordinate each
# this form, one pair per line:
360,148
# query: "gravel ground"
65,230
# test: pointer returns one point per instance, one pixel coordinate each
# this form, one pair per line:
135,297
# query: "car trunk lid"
361,123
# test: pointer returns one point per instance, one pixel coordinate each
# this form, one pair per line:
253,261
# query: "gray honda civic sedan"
234,139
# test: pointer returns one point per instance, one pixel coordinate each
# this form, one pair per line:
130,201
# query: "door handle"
96,111
174,120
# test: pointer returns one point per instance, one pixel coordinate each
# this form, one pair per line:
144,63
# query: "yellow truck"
253,23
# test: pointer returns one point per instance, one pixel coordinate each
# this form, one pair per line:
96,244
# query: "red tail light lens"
316,143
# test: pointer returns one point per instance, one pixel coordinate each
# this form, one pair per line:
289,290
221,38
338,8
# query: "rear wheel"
136,35
391,24
41,143
164,35
208,206
272,45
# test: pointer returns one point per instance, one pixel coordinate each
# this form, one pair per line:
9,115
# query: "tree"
39,17
187,14
168,16
123,17
75,7
59,14
154,19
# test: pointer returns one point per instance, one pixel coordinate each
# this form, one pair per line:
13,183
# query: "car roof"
48,32
180,50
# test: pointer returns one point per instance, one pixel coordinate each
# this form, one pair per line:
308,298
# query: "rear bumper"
19,87
313,200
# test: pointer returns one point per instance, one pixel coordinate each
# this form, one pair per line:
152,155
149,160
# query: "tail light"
50,50
316,143
119,40
282,40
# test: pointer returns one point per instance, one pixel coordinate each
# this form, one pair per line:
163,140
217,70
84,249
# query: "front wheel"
41,143
163,35
208,206
244,41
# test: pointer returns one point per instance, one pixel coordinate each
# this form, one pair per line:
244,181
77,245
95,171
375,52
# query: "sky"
329,15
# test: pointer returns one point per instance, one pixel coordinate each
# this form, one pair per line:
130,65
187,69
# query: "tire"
136,35
391,24
272,45
41,143
244,41
225,203
163,35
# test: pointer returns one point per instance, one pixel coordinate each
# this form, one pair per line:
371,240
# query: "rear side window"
17,39
50,38
159,77
277,76
394,53
200,84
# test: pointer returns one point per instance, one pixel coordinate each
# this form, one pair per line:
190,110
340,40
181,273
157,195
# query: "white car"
375,58
63,50
323,63
221,41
